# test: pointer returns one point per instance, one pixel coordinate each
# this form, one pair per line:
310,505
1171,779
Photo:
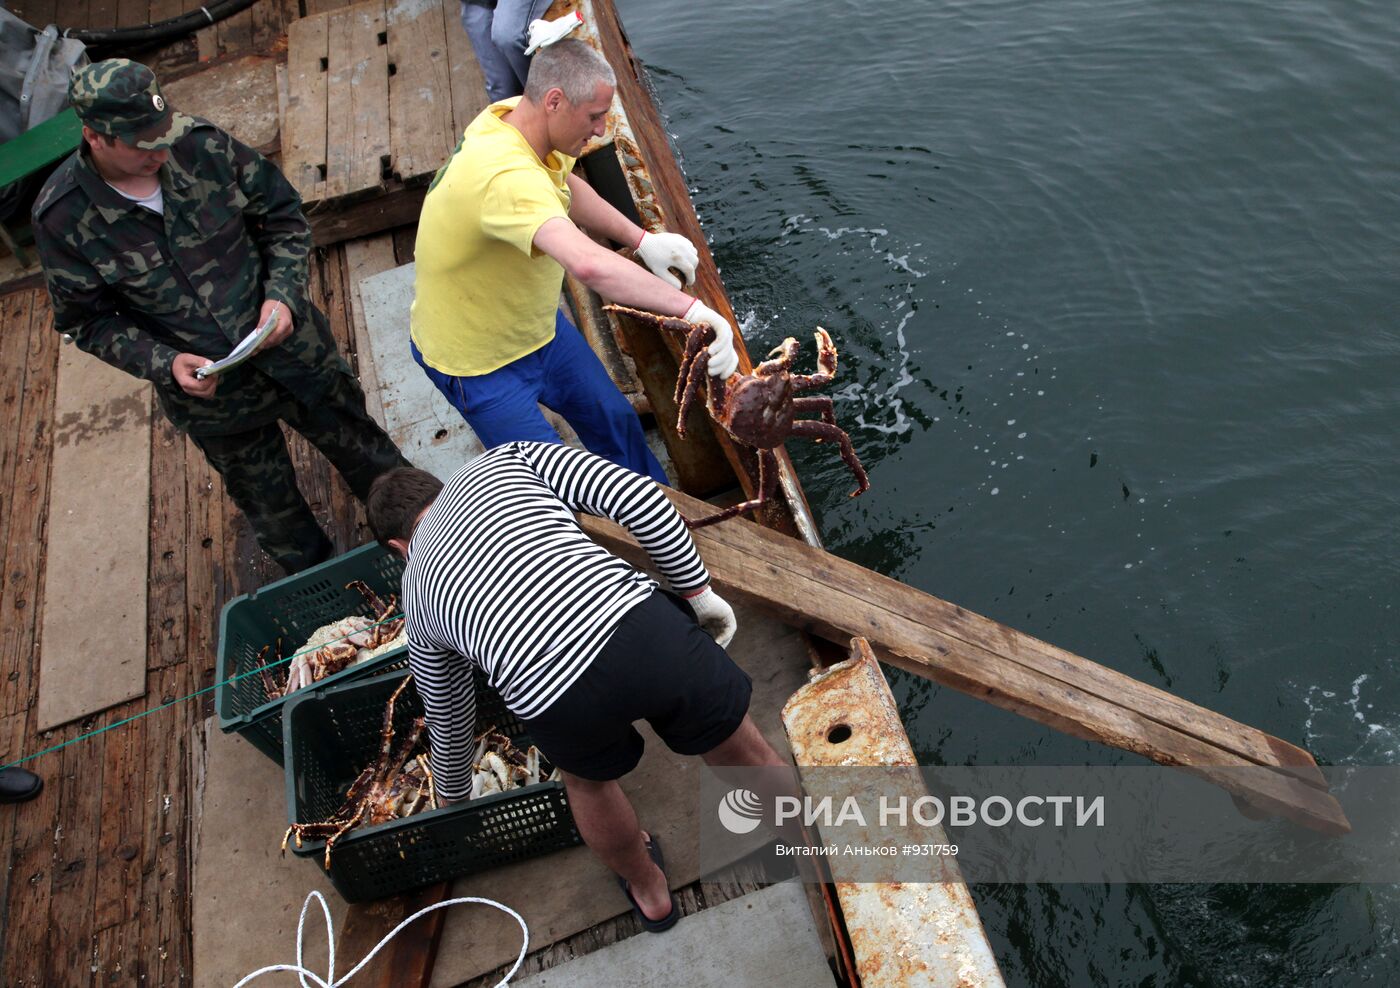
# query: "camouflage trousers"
258,474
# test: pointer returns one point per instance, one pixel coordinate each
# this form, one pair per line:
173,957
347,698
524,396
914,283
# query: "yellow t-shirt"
483,295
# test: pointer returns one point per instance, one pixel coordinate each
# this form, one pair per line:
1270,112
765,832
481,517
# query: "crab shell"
758,410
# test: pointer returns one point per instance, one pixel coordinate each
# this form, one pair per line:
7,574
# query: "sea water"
1116,288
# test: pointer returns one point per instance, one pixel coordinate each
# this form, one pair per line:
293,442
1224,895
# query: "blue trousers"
565,376
497,30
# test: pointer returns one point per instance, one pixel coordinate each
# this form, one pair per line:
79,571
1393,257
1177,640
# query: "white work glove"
715,616
542,33
663,251
723,360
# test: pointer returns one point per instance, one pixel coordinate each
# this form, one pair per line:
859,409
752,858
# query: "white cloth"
155,202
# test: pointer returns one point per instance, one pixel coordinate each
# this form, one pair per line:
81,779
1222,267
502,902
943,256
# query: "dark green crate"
333,733
291,609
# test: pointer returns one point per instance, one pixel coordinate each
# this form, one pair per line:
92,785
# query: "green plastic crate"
333,733
291,609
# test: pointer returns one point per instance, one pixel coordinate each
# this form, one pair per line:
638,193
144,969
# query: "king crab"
758,409
336,646
395,786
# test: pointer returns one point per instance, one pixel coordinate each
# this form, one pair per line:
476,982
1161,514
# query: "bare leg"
609,827
748,748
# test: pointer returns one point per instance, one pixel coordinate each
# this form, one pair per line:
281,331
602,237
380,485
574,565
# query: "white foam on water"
1346,728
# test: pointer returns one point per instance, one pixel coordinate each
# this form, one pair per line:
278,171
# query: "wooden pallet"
377,95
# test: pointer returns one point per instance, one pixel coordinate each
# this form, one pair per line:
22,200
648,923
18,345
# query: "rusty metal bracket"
902,933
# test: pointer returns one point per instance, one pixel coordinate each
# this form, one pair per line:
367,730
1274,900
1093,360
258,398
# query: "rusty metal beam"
902,933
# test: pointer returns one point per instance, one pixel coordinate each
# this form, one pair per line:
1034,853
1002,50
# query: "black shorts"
658,666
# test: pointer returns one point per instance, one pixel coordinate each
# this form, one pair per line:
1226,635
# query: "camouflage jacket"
137,289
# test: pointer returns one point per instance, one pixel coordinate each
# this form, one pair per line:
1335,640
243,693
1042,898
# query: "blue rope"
163,706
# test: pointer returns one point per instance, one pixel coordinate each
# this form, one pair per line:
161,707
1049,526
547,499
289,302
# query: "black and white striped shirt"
500,574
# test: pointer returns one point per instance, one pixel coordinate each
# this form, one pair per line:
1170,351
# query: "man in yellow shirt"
500,226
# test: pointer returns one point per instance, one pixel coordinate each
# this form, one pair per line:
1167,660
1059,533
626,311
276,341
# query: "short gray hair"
570,65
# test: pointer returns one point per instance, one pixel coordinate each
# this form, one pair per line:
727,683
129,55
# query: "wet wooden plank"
304,126
825,595
420,95
407,961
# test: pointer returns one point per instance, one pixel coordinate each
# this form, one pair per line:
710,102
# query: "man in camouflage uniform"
164,242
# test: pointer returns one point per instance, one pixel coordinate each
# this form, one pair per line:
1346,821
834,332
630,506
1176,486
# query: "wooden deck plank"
15,312
38,13
71,941
117,896
420,95
362,259
25,538
168,645
304,128
133,13
828,596
102,14
357,88
31,863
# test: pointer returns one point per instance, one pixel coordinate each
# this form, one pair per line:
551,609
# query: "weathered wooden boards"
94,647
838,600
377,95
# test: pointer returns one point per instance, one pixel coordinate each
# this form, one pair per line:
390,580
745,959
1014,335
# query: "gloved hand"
663,251
716,617
542,33
723,360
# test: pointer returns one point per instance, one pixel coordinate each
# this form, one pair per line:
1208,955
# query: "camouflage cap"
120,98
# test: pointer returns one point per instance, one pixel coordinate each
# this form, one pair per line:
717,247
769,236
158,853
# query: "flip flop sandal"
671,918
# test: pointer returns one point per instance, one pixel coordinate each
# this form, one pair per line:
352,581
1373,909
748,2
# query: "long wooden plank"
304,129
837,600
420,94
99,494
957,624
364,258
24,554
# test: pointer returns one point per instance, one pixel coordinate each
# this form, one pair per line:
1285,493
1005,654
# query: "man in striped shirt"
579,644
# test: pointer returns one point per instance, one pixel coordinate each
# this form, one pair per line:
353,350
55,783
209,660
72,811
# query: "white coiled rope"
329,981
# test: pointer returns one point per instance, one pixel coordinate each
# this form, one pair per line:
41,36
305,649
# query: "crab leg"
269,679
822,431
826,364
819,404
767,485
